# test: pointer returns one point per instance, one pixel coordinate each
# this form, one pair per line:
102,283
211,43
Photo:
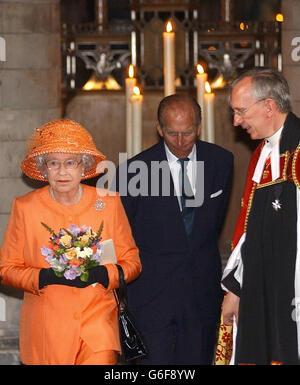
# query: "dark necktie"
186,193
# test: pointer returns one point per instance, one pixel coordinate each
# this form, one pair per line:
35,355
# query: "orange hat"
64,136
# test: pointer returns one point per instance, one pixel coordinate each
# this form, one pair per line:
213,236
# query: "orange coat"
55,318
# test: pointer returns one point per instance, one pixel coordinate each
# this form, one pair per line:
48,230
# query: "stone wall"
29,96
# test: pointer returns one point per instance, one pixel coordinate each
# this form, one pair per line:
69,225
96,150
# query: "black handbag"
132,344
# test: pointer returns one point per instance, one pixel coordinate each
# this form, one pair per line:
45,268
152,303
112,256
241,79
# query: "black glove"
99,274
96,274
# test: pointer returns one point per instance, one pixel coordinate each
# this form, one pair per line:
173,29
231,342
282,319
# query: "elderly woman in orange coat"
65,321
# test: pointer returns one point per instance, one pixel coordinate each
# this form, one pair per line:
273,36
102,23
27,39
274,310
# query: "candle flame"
169,27
200,69
207,88
94,84
136,90
218,83
131,71
279,17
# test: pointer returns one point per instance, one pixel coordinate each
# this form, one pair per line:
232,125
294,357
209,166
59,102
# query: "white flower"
85,253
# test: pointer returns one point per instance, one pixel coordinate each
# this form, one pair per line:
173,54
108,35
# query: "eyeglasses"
69,164
242,111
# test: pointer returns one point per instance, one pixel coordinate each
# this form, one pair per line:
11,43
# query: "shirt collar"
274,139
173,158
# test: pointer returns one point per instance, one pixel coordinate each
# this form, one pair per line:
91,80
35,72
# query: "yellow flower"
71,253
65,240
84,239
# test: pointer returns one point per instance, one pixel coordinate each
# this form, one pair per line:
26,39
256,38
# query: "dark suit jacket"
176,271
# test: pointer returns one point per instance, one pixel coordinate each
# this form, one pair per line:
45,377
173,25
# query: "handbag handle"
121,292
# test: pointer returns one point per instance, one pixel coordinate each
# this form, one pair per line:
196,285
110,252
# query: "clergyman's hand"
230,308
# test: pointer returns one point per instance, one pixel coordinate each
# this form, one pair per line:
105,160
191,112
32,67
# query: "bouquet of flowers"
73,251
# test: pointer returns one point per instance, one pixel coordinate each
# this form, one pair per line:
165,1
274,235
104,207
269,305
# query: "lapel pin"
99,204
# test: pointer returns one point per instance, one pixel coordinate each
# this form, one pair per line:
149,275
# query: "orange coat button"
70,219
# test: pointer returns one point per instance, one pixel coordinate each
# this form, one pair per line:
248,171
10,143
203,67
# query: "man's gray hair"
268,83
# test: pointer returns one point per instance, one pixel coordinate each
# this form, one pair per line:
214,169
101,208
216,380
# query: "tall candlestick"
130,82
137,104
209,98
226,10
201,77
133,40
169,60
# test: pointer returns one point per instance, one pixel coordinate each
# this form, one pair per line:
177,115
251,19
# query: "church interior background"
70,59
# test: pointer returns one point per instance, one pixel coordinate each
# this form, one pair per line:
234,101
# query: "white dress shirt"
176,168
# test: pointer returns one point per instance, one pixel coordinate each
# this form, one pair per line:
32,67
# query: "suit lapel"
202,183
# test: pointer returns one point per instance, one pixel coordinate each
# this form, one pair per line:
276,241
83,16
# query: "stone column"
29,96
291,49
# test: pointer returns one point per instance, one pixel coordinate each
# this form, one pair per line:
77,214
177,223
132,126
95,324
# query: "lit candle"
130,82
201,77
137,103
209,98
169,60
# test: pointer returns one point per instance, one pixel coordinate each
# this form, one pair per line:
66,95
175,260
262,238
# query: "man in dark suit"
175,202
